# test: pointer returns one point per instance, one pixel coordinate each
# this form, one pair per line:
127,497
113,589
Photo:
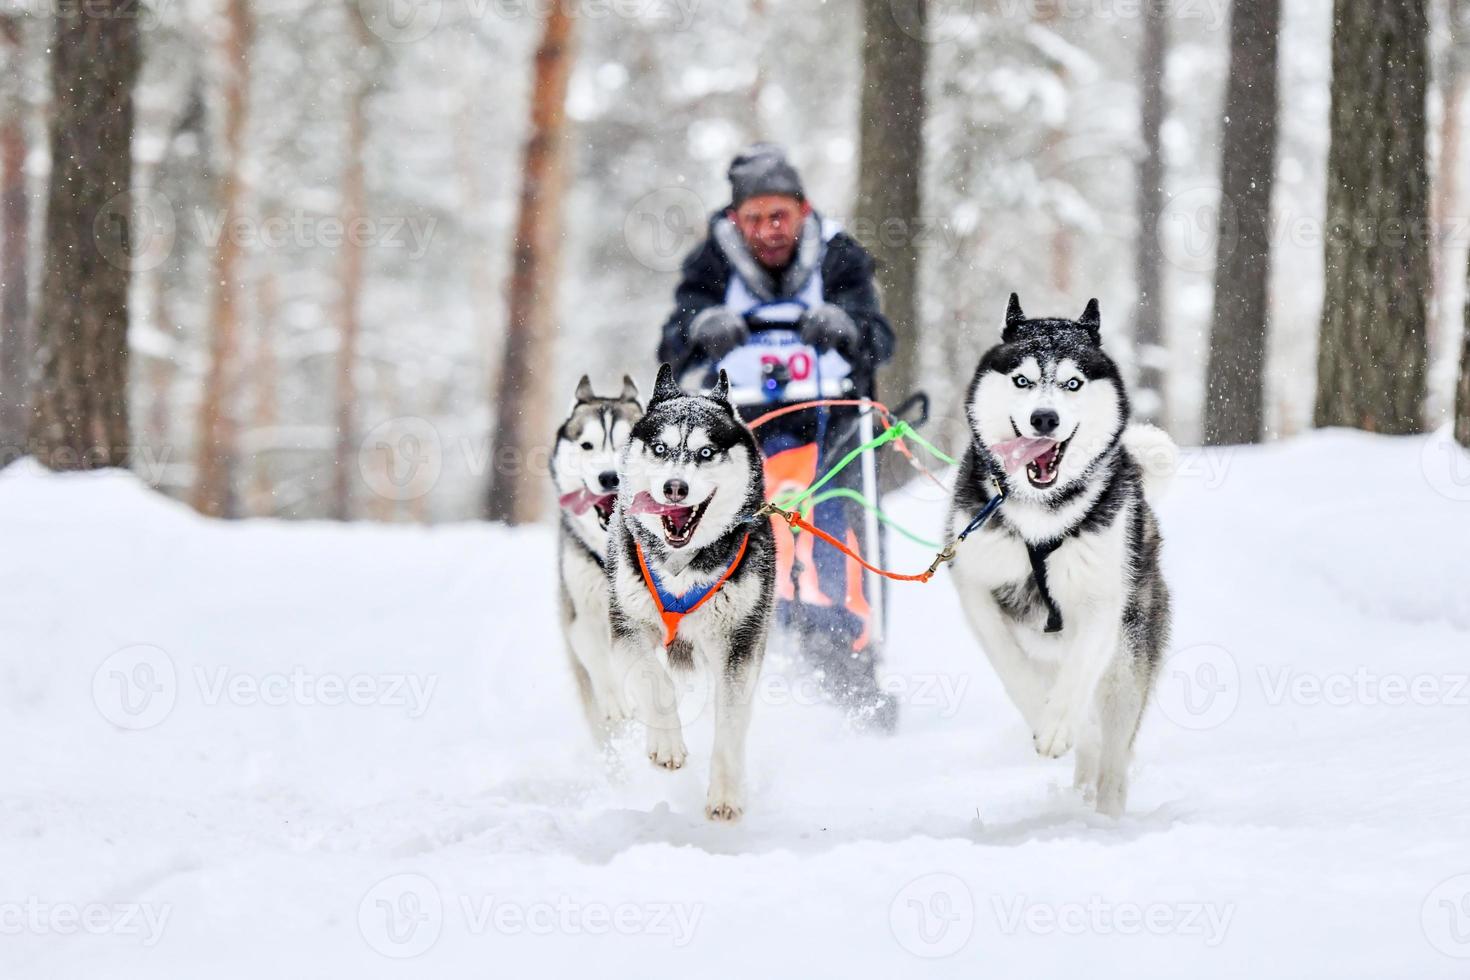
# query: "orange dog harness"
673,608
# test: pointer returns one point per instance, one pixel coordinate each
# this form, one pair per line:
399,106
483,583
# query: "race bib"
774,365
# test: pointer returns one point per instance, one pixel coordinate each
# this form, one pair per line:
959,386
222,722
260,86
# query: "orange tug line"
796,520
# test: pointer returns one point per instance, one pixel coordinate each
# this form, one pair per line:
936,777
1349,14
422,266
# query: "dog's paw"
1053,737
724,812
724,803
1112,793
666,749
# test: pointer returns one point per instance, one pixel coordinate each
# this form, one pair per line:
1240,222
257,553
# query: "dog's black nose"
675,491
608,479
1044,421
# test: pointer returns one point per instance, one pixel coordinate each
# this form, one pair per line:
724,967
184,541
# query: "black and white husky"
693,575
1062,586
584,468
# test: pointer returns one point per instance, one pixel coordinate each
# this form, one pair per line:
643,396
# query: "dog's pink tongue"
1016,453
578,501
643,503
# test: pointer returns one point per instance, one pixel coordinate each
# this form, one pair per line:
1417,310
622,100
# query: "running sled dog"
1062,586
584,469
692,571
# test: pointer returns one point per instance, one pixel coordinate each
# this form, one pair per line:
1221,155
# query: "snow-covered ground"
281,750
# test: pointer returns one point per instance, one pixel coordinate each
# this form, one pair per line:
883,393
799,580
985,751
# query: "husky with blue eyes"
1062,586
693,575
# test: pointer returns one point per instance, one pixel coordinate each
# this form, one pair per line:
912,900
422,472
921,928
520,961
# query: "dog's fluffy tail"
1155,454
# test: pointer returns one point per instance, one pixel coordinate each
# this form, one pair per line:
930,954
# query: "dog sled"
807,413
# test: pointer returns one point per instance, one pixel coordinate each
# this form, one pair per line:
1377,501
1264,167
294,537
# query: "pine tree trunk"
80,405
891,170
1150,402
1453,78
1373,351
17,349
216,453
354,195
1462,393
1235,380
523,402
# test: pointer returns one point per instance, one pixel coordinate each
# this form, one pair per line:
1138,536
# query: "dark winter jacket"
847,281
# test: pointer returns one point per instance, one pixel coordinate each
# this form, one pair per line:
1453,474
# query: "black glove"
829,326
717,331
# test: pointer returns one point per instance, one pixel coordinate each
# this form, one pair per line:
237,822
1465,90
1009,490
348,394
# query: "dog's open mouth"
1042,471
580,501
679,520
1041,457
603,505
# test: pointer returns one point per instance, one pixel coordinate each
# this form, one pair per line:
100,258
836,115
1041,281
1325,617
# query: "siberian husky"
1062,586
693,575
584,469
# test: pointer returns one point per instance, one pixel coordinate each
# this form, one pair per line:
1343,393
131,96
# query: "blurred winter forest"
325,205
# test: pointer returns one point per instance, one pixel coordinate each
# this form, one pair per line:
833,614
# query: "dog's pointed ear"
1014,319
630,390
664,386
721,391
1091,321
584,390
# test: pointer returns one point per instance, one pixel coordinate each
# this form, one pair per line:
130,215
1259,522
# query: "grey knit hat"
762,168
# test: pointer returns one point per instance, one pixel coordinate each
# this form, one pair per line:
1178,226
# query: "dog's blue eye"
1074,385
659,449
1022,381
706,453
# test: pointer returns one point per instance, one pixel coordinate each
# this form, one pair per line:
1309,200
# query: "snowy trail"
1299,805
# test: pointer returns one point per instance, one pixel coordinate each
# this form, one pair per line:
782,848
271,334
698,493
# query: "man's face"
770,225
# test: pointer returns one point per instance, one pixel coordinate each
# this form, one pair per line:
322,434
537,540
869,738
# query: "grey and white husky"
693,575
584,469
1062,586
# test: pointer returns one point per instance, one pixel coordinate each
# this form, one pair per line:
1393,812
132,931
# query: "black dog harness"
1038,554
